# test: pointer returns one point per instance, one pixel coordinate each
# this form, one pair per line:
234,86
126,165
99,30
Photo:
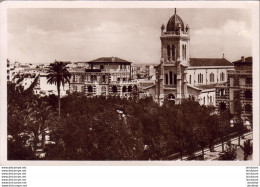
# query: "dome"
174,22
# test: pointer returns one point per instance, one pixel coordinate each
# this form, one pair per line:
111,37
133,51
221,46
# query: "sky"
40,35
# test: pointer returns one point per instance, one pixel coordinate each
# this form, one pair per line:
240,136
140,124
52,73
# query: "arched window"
124,89
166,78
103,90
135,88
168,52
90,89
211,77
200,78
114,89
222,92
173,53
170,77
103,78
171,98
222,76
175,78
183,52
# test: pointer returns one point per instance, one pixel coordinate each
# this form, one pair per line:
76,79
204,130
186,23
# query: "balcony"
115,70
123,82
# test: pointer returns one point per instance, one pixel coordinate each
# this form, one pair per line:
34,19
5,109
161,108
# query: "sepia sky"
43,35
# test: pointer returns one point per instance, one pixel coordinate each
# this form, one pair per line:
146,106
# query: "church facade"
180,77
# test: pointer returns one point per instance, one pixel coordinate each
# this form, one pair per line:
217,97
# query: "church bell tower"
171,75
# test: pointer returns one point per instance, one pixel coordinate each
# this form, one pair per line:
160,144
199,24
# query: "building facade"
237,94
106,76
180,77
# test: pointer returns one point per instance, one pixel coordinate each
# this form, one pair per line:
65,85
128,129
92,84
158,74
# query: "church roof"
209,62
174,22
110,60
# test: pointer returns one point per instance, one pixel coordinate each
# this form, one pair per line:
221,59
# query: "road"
218,148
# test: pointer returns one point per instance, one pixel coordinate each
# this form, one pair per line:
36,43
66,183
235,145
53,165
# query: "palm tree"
58,74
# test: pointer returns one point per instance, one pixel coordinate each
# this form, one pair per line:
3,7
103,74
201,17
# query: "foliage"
108,128
247,148
58,74
229,153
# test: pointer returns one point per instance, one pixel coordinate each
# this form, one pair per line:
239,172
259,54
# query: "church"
180,77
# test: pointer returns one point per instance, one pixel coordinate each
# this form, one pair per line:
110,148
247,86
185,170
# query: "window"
103,78
118,79
166,78
168,52
124,89
93,78
175,78
248,108
170,77
173,53
200,78
114,89
130,88
90,89
248,80
135,88
75,88
211,77
222,106
190,79
184,52
248,94
222,76
236,94
222,92
81,78
103,90
236,81
82,88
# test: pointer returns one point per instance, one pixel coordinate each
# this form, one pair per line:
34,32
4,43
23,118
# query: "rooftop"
209,62
110,60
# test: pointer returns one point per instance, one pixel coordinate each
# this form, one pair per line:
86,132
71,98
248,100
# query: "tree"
224,126
58,74
229,153
247,148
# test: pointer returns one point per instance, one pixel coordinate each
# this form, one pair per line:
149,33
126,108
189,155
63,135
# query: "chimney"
113,59
242,59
